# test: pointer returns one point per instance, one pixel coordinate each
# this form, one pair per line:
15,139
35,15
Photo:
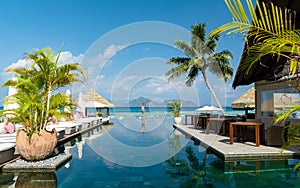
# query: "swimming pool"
136,153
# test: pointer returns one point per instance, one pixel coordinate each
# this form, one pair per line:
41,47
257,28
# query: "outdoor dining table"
258,126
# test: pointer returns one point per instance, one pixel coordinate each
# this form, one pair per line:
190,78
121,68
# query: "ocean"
159,111
120,112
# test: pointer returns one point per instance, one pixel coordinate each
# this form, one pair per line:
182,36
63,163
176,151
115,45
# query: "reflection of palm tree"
193,170
174,143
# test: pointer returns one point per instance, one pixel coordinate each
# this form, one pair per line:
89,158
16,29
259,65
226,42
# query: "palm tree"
53,75
35,86
200,56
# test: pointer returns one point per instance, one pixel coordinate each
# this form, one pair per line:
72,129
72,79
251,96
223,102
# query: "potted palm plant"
36,100
175,110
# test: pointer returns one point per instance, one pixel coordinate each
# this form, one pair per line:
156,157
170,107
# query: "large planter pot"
39,147
177,120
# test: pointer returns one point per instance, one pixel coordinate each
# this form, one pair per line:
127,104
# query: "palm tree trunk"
47,107
212,91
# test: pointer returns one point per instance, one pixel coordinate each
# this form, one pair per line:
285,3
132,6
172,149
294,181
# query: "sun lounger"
85,122
105,120
71,125
70,128
8,138
60,131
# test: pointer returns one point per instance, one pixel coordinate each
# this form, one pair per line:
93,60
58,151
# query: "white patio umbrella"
210,109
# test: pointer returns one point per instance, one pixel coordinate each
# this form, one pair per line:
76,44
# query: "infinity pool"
148,153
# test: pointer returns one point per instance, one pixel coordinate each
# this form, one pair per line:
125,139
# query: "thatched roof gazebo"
92,103
245,102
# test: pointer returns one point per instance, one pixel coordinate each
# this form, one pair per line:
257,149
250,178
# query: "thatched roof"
93,99
245,101
267,68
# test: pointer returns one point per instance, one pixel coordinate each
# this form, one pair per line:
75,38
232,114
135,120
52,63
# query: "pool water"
136,153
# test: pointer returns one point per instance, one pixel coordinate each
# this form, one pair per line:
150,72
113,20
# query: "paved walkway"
220,146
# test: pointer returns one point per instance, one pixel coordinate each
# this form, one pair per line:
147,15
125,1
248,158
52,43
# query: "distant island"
151,103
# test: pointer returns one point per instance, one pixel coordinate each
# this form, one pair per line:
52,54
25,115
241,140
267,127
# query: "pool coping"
219,145
48,165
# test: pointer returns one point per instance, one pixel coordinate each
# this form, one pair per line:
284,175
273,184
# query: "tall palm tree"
200,57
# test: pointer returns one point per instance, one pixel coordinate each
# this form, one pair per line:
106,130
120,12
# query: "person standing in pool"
143,108
143,117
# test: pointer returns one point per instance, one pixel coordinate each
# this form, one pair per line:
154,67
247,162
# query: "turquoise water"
121,112
192,166
131,152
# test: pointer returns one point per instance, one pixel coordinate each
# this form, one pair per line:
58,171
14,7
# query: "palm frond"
275,46
271,32
212,42
177,71
220,64
187,49
269,19
178,60
286,114
199,31
193,73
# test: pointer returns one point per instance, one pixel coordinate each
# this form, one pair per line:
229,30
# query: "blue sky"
82,25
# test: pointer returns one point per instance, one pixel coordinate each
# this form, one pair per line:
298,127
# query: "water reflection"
188,168
49,179
193,170
143,122
212,171
7,179
36,179
174,141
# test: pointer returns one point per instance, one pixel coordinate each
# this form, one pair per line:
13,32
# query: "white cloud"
67,57
125,83
108,53
20,63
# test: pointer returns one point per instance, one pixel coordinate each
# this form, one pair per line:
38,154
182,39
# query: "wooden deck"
220,146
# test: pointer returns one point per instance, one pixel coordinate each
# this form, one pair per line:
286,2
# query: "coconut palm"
200,57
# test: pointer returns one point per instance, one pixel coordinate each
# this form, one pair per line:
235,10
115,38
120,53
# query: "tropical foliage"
270,30
193,171
36,85
175,107
200,57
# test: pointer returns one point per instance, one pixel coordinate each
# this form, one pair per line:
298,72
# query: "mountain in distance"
151,103
139,101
